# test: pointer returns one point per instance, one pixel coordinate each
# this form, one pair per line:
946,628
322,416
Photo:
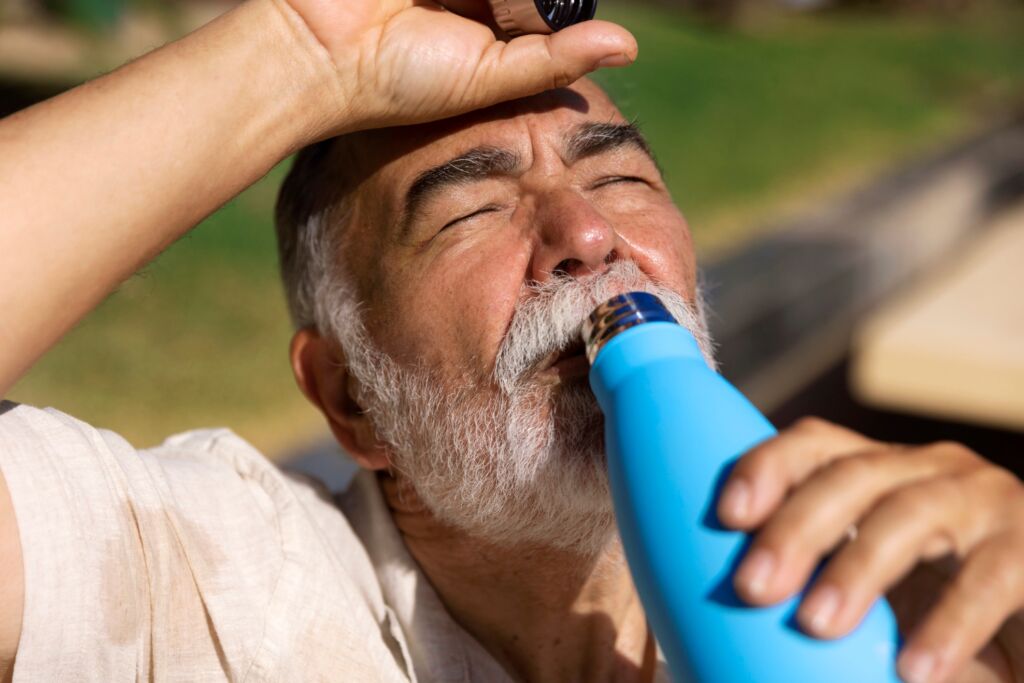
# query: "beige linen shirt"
199,560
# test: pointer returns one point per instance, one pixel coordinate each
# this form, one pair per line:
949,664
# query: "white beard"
514,461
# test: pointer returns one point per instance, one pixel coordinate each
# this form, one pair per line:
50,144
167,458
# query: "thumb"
534,63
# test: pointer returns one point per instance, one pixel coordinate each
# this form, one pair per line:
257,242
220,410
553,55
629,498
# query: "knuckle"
998,584
853,561
1015,596
812,425
997,495
1006,581
562,78
923,499
563,75
993,478
954,450
786,535
759,459
852,468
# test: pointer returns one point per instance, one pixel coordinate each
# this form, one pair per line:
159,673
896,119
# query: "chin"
578,421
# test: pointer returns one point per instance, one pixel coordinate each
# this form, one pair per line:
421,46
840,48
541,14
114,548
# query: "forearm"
97,181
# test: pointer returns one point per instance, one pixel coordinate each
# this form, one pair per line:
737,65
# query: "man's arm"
97,181
12,584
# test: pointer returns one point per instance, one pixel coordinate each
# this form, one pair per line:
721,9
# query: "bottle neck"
619,314
640,351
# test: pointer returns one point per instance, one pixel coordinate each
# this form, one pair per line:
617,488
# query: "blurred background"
852,171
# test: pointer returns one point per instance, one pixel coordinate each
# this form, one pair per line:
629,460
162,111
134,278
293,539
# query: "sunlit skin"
444,296
99,180
96,182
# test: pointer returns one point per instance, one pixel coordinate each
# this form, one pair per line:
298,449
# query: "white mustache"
550,316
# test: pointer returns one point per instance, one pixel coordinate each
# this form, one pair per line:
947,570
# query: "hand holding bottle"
674,431
803,490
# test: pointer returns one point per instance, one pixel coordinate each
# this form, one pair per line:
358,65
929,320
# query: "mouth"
569,364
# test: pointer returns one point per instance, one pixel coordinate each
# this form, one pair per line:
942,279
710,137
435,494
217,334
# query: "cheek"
452,309
661,244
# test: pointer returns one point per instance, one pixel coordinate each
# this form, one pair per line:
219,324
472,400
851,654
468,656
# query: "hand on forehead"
446,222
380,166
404,150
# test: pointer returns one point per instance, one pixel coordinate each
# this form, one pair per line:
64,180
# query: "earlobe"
321,371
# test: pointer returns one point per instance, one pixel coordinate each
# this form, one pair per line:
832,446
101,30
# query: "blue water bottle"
673,429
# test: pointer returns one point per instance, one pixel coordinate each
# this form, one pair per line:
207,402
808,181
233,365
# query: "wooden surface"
953,346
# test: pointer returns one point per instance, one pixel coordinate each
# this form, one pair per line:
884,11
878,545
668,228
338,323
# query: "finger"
762,477
938,516
814,518
531,64
988,589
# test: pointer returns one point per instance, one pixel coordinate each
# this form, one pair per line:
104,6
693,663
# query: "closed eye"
490,208
613,180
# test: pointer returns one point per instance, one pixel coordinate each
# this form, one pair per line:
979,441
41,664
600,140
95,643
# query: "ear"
321,371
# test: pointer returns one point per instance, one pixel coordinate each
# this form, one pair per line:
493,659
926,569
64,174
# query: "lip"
564,366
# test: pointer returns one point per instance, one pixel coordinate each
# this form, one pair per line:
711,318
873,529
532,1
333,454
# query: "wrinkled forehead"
392,152
381,164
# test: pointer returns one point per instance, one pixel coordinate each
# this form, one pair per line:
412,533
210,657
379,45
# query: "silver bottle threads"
618,315
517,17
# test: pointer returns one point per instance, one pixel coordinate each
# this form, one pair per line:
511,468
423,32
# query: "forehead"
382,164
383,159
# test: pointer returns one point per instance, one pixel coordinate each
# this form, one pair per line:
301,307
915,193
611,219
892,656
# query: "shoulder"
235,561
25,428
209,477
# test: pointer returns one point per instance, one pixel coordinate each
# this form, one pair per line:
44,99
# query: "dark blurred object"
829,397
787,306
94,15
519,17
15,96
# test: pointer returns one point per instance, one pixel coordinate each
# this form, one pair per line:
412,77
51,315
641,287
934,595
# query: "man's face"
478,246
461,214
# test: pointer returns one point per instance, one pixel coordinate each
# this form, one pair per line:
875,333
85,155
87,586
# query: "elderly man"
437,274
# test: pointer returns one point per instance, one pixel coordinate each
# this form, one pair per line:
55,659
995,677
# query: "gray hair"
309,218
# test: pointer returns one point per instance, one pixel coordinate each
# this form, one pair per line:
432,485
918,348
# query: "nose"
573,238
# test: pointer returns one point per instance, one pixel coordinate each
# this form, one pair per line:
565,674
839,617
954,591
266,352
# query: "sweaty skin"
444,295
96,182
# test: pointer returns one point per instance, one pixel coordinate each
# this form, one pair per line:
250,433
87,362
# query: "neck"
544,614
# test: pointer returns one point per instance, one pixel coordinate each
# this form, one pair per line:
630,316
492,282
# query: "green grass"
197,339
744,119
744,122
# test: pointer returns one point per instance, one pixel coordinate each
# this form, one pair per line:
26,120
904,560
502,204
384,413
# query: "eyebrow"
476,164
591,139
479,163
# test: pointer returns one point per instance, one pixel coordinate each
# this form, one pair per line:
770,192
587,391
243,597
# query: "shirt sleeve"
193,561
96,540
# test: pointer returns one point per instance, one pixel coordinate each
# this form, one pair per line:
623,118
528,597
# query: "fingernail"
916,667
736,499
613,60
756,571
820,608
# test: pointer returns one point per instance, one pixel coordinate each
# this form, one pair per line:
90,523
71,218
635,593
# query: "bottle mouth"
619,314
517,17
